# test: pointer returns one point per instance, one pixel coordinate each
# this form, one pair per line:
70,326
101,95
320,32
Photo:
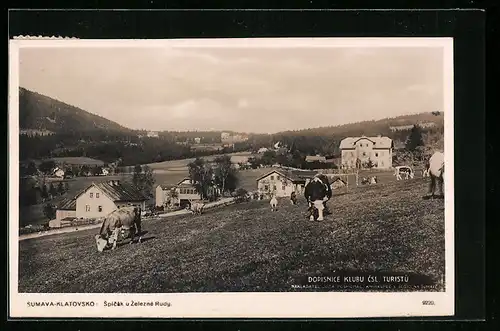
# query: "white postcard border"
235,305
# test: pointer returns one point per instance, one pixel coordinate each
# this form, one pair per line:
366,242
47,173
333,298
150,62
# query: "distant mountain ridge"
373,127
40,112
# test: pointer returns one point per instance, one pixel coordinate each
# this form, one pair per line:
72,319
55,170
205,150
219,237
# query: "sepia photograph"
180,178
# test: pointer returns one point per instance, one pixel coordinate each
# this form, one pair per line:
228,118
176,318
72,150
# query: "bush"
240,195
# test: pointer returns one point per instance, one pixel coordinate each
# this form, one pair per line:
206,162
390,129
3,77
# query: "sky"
260,90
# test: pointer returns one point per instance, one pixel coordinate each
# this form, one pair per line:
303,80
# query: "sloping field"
246,247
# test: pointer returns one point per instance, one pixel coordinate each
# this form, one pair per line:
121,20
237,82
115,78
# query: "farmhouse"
164,194
58,172
358,151
180,194
100,199
283,182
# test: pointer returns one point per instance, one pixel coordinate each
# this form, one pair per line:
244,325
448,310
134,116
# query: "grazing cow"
197,207
373,180
274,203
293,198
436,172
126,220
365,181
316,194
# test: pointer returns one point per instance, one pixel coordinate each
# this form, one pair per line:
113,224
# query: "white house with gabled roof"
361,150
100,199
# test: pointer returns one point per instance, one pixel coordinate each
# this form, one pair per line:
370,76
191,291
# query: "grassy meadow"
246,247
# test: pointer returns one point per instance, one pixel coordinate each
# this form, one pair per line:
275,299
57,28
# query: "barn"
65,211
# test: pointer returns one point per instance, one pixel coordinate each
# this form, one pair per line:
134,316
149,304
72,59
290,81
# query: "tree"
96,171
84,170
254,162
414,139
370,164
52,190
45,192
47,166
49,211
224,173
143,180
60,188
268,158
241,194
31,169
201,175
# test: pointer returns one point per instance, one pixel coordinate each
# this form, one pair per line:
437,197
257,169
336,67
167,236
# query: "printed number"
428,303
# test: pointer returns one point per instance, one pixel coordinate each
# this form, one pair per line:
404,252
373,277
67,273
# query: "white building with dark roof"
283,182
358,151
100,199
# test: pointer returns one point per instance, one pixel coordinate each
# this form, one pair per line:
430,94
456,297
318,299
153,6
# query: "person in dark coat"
293,198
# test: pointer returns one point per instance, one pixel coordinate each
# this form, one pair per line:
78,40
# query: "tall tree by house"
201,174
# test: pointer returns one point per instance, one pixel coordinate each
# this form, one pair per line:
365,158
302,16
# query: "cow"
373,180
274,203
436,174
126,220
329,192
293,198
197,207
316,194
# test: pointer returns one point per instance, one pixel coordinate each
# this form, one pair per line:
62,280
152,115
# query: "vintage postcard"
229,178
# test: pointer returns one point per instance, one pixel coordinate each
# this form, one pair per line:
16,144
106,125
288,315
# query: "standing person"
293,198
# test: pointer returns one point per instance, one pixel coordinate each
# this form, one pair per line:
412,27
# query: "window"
283,187
272,177
87,208
364,154
274,187
278,177
91,194
376,154
99,208
266,188
97,195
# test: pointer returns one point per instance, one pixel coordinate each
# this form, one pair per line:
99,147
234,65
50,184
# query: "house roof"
166,186
293,175
118,192
380,142
67,204
183,180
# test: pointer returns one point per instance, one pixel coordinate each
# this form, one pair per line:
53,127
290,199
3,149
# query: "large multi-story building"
359,151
